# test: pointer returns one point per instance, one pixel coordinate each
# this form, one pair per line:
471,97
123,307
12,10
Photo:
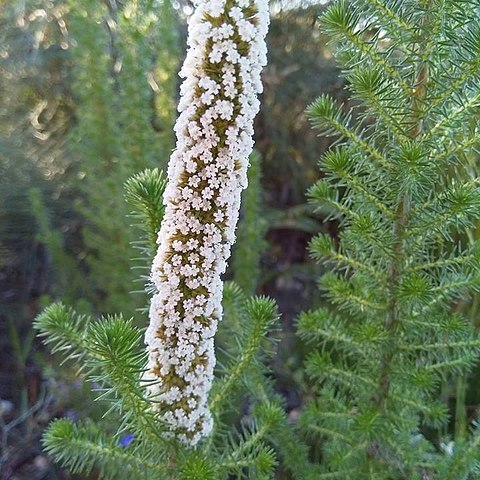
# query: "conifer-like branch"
398,177
84,447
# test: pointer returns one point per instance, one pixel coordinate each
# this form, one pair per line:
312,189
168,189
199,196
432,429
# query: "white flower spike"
206,174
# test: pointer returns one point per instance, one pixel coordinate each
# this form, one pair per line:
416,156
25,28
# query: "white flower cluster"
206,174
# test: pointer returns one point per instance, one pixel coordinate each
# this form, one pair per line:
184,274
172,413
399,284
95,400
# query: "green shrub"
387,348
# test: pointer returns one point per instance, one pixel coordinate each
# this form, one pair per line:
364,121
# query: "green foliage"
244,351
144,192
84,448
257,316
284,436
251,232
96,142
34,115
108,349
123,98
109,353
386,351
146,54
67,281
66,330
110,141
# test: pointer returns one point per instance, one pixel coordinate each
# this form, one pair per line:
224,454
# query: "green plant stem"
395,271
393,311
460,409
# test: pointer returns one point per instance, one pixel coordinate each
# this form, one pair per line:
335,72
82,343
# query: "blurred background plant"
88,94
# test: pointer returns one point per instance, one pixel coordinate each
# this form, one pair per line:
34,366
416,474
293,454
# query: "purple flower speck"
126,440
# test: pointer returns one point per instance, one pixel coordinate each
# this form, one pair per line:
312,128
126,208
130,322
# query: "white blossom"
206,174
